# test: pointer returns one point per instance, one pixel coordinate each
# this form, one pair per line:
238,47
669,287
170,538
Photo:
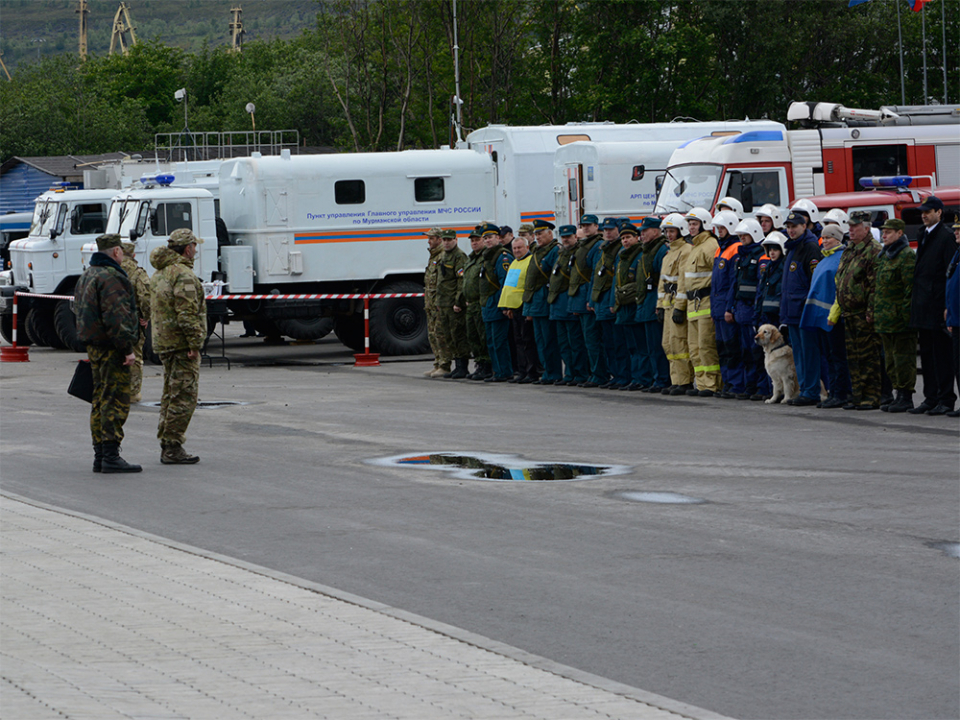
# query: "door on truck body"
572,205
755,186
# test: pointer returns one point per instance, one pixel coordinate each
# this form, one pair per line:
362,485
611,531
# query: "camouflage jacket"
141,286
431,277
892,298
450,280
105,306
178,309
856,277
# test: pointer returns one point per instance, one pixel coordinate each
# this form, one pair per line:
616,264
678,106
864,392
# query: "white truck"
48,260
836,147
319,224
622,178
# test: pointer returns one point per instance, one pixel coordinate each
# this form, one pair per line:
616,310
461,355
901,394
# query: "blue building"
22,179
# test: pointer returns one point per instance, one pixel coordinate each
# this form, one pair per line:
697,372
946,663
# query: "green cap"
894,224
448,235
105,242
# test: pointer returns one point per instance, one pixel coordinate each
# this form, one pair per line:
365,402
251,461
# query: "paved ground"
101,622
810,584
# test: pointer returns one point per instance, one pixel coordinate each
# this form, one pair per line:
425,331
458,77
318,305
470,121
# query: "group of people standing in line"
114,301
672,305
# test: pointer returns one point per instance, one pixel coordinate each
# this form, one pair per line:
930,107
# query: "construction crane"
236,29
121,26
83,28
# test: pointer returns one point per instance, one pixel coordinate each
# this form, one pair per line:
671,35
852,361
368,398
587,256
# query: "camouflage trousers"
477,333
863,360
136,370
441,359
453,332
181,384
900,358
111,394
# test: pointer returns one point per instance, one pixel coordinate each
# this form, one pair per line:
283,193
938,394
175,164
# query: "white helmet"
771,211
731,203
675,220
701,214
752,228
776,238
838,217
808,207
726,219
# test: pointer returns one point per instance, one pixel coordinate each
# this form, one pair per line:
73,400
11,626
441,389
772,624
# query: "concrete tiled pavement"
102,621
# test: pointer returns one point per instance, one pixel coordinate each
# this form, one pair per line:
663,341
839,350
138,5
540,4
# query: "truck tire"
349,331
6,329
305,328
65,323
398,326
41,328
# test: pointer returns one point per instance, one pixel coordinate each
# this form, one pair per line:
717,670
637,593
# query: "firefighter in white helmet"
741,302
674,228
770,219
724,275
731,204
693,303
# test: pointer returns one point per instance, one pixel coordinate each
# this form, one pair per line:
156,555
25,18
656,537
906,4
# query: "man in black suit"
935,248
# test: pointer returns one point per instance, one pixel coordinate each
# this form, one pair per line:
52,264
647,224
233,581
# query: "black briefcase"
81,386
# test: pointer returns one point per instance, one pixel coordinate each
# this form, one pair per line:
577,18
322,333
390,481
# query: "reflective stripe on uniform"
698,313
820,304
670,278
680,296
706,368
771,303
661,295
699,274
678,356
748,288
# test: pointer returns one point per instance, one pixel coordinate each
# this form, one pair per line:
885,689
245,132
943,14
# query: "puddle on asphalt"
667,498
501,468
950,549
203,404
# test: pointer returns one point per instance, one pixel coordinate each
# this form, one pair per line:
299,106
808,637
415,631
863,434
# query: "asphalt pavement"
812,572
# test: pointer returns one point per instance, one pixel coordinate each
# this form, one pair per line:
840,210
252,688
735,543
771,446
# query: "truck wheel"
41,328
349,331
398,326
305,328
65,323
6,329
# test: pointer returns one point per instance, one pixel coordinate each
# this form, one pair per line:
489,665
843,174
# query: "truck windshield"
688,186
43,216
123,216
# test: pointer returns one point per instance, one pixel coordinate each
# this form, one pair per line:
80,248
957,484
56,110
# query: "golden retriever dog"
778,361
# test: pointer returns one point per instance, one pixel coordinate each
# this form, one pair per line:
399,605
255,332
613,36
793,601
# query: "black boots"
112,462
903,403
97,457
459,369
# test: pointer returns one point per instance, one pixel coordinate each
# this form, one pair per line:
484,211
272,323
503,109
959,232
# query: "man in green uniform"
453,326
469,303
856,280
141,289
431,276
106,311
179,315
891,313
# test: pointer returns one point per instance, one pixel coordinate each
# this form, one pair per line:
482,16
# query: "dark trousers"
728,350
615,351
593,341
833,350
656,357
636,338
526,344
476,334
937,368
498,345
572,350
548,348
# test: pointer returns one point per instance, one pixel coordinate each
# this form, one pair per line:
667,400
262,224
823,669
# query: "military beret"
589,219
894,224
182,236
539,225
628,228
105,242
449,235
651,221
858,216
567,230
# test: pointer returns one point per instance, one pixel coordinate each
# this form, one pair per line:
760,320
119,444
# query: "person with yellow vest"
674,228
511,303
693,301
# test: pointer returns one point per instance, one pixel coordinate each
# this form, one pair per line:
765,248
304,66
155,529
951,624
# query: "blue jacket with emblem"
803,254
724,275
742,296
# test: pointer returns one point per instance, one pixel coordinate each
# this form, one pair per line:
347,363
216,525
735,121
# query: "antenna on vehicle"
458,102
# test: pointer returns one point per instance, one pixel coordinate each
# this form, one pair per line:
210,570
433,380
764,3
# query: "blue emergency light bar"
886,181
157,180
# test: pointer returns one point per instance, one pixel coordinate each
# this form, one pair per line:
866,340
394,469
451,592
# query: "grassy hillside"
32,28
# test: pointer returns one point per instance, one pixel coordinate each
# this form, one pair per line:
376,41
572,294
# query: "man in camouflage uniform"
179,315
891,313
453,326
141,289
469,303
106,311
431,276
856,280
